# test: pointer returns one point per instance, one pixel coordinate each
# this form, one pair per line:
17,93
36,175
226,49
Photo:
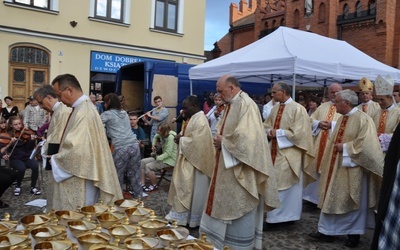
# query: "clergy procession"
238,172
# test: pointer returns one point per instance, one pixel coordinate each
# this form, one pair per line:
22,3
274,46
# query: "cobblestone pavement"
294,236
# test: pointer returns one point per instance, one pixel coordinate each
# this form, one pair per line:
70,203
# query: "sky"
217,21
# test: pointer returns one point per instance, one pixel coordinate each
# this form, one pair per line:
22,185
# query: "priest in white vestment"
47,99
289,132
387,118
83,168
349,184
323,121
367,105
243,183
194,166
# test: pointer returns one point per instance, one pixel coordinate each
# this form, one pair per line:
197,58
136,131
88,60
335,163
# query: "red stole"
324,136
274,143
382,122
364,108
339,139
211,193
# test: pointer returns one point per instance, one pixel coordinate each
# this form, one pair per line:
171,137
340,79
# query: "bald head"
227,87
333,89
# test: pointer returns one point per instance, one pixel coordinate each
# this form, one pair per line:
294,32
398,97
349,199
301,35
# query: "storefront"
103,69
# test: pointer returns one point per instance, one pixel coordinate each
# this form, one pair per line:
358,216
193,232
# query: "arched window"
346,11
372,7
283,22
358,9
29,55
273,23
321,12
296,19
266,25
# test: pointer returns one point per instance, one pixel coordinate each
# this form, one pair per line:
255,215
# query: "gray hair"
349,96
44,91
283,86
233,80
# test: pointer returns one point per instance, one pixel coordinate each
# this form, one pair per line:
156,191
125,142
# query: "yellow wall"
136,39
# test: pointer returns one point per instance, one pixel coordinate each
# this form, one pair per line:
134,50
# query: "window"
296,19
166,15
358,9
44,4
346,11
29,55
321,12
111,10
48,6
372,7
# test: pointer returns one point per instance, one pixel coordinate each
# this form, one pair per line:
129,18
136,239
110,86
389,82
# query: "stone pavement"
283,237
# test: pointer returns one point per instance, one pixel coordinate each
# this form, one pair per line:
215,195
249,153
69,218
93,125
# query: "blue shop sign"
110,63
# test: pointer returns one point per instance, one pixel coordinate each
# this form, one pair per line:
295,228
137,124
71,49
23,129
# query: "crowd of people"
238,167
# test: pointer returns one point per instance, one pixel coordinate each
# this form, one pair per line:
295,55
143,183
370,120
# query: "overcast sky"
217,21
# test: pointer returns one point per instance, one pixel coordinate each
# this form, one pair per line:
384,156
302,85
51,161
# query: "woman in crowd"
100,101
313,104
9,110
209,103
19,151
126,152
3,125
167,158
215,114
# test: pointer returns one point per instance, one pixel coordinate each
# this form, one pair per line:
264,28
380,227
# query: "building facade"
91,39
369,25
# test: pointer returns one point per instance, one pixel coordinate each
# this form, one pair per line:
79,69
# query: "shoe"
144,187
35,191
352,241
17,191
321,237
150,188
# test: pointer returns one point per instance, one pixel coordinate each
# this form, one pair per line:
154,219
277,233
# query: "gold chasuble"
387,123
371,108
340,186
57,124
325,112
84,153
196,151
236,191
291,161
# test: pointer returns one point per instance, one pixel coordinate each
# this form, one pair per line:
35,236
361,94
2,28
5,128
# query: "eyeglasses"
59,93
41,101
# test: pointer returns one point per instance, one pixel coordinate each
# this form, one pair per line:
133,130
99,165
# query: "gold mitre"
365,85
384,86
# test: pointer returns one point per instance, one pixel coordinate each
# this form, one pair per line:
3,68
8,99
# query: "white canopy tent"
297,57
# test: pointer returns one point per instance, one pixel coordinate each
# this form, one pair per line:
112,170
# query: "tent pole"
191,87
294,87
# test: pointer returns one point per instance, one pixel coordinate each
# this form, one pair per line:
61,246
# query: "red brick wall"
379,39
243,38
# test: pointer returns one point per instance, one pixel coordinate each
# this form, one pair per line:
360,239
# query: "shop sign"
110,63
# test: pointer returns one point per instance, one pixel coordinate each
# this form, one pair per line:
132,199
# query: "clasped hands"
271,134
217,141
325,125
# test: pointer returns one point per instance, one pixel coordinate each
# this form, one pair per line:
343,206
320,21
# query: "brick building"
369,25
